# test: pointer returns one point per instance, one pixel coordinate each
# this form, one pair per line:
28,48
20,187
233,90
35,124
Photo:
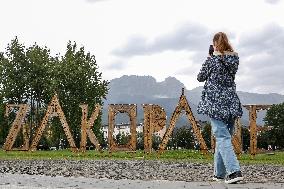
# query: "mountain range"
146,90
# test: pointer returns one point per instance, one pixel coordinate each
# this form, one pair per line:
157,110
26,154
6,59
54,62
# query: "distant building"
124,128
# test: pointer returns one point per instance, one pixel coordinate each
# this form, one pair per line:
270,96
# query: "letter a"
54,109
183,105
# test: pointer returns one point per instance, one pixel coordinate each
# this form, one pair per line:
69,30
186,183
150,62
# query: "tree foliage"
275,119
206,134
183,138
32,75
245,138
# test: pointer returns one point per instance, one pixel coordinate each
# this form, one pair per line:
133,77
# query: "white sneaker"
217,179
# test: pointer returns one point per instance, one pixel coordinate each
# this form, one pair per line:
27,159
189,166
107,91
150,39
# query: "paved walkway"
18,181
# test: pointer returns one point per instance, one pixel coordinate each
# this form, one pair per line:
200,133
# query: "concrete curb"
22,181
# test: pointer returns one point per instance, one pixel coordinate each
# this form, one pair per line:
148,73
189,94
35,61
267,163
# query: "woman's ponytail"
221,42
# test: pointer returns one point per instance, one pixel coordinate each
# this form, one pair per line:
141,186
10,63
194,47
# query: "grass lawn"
170,155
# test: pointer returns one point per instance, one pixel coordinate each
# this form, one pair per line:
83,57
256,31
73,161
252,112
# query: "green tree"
206,133
275,119
263,139
79,81
40,80
3,124
245,138
14,68
140,141
121,138
13,83
184,138
3,131
31,75
156,141
24,77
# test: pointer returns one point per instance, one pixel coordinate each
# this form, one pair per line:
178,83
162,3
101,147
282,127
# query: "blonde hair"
221,42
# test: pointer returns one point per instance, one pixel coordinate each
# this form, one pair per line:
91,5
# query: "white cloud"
272,1
189,36
262,65
95,1
117,65
159,38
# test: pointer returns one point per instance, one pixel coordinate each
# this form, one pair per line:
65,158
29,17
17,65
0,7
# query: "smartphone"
211,50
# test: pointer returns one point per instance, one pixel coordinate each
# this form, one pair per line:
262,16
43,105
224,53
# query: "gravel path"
135,170
22,181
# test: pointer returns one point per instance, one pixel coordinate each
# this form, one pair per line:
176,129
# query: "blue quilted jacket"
219,99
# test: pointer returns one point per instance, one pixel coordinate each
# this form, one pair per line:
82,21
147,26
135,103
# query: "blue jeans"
225,160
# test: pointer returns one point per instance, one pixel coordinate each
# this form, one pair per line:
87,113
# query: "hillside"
145,89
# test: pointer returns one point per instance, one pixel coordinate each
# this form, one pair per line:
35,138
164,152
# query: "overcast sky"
160,38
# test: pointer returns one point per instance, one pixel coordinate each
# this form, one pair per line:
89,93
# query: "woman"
220,102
